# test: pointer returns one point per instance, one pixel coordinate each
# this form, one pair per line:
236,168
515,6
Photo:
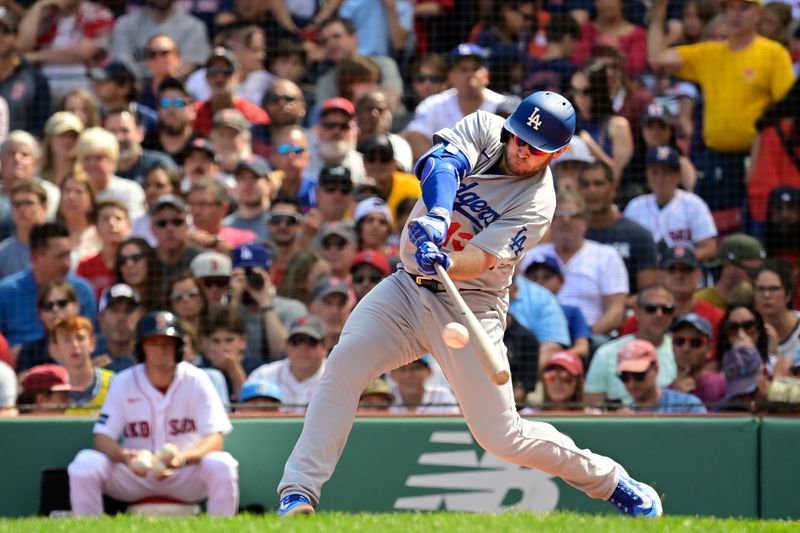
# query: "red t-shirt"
95,271
205,115
633,45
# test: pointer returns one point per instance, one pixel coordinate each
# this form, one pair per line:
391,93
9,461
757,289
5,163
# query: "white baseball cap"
372,205
577,150
211,265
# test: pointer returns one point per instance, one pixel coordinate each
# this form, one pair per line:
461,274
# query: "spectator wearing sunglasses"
290,158
369,268
740,256
254,191
98,154
562,377
337,243
208,205
285,104
680,274
743,320
186,298
162,61
298,375
175,129
133,32
138,266
213,269
637,368
170,227
55,301
469,77
654,309
335,201
692,341
223,73
286,229
381,165
157,181
336,138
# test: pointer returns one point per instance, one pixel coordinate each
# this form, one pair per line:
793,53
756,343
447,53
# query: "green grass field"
397,522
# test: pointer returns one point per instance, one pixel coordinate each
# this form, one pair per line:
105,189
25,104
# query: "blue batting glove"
429,228
428,254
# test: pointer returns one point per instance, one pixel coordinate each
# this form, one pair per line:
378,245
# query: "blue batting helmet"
545,120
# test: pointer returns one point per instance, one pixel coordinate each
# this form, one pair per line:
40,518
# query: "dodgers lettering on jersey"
502,215
146,418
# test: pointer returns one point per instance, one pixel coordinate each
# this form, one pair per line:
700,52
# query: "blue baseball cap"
467,50
694,320
664,155
260,389
251,255
546,261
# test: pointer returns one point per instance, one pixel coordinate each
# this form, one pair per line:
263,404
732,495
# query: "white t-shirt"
126,191
8,386
790,346
441,110
295,394
595,271
436,400
147,418
686,219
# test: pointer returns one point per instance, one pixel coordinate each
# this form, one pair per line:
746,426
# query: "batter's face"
522,161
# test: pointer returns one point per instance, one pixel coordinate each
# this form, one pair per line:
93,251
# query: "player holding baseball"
166,407
487,197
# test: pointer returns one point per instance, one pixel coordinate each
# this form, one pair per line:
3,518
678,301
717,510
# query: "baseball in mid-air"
143,462
455,335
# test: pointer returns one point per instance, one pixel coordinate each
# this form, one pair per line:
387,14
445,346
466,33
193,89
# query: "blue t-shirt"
578,328
537,310
372,23
673,401
19,317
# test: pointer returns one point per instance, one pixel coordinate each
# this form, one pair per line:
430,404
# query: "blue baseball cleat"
636,499
294,504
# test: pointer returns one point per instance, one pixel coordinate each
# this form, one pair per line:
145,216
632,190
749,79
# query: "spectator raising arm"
658,54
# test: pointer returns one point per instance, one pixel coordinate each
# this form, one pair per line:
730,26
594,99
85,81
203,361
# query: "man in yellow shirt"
380,165
740,77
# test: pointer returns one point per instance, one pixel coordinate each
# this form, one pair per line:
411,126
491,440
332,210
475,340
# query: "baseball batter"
163,400
487,197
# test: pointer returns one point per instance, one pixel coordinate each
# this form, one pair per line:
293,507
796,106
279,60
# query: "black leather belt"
427,283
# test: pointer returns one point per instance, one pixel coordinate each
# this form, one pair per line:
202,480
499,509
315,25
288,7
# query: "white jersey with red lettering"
685,219
147,418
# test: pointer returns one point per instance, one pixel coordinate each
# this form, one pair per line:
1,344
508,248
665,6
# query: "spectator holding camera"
265,313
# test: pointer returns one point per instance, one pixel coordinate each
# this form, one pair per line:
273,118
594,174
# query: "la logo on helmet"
535,120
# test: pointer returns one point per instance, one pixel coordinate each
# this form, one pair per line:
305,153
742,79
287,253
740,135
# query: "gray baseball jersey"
502,215
398,321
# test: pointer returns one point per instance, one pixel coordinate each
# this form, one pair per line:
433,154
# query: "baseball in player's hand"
430,228
428,254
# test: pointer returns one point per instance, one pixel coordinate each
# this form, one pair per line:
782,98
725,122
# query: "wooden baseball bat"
487,354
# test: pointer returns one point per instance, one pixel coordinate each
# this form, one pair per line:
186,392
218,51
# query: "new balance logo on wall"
485,484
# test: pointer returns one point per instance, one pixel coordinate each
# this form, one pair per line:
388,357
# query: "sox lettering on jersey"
181,426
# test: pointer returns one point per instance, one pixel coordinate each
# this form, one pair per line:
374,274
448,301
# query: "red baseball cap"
566,360
636,356
46,378
338,103
372,258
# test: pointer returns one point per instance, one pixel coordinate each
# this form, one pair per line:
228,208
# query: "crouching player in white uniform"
161,400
